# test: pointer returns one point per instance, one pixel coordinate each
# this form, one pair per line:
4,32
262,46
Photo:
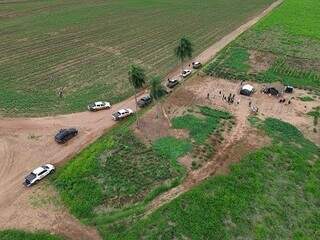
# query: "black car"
172,83
65,134
144,101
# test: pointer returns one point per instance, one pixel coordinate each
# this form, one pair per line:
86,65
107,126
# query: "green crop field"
282,47
84,47
273,193
22,235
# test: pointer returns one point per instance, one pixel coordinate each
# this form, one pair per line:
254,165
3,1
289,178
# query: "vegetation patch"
204,125
22,235
171,148
200,128
306,99
272,193
291,42
109,183
113,173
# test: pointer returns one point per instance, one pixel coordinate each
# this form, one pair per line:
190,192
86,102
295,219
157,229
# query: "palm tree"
156,90
183,50
137,78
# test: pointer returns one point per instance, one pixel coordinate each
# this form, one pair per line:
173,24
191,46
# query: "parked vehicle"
38,174
122,113
185,73
196,65
172,83
65,135
96,106
288,89
144,101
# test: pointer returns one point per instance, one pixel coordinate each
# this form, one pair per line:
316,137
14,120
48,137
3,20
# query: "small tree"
183,50
137,79
156,90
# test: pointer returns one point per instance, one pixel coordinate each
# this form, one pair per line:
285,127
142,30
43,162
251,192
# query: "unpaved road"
26,143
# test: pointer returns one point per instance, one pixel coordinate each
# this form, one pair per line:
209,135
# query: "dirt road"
26,143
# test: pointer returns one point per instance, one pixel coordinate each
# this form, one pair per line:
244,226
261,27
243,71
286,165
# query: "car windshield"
45,167
31,176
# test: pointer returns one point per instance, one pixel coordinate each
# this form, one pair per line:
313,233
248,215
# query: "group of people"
229,99
283,100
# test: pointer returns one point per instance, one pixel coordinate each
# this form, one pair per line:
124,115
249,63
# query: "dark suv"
172,83
65,134
144,101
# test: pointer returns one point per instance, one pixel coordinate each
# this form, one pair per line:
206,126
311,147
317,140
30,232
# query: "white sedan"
185,73
96,106
37,174
122,113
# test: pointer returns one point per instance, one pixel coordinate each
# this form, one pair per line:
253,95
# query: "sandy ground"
26,143
242,138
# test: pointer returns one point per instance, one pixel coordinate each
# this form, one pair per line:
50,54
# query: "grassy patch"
272,193
293,43
85,46
112,173
200,129
172,148
254,121
22,235
306,99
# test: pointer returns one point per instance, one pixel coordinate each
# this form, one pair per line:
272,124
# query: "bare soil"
260,61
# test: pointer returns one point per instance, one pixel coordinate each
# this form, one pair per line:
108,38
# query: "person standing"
60,93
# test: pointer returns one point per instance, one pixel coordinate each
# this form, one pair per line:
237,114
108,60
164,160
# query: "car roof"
99,102
146,97
38,170
123,110
247,87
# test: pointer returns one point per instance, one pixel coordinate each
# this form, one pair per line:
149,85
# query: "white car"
122,113
185,73
37,174
96,106
196,65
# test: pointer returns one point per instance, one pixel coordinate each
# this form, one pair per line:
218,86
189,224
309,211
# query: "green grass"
86,46
200,128
273,193
290,34
172,148
22,235
306,99
113,173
